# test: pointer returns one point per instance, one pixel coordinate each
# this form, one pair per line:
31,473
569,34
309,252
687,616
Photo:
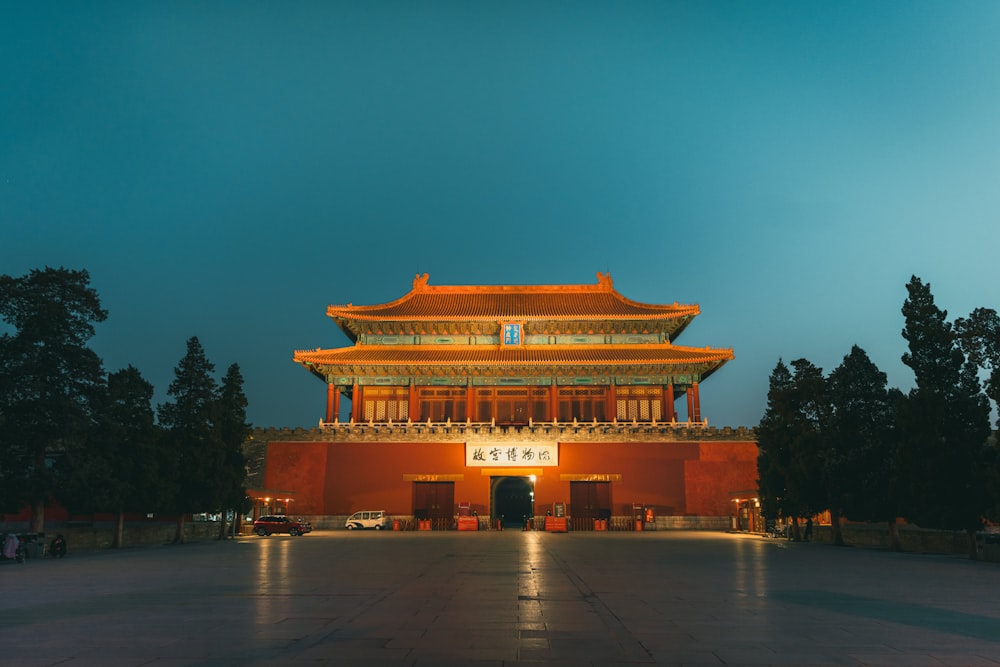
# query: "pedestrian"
57,547
809,530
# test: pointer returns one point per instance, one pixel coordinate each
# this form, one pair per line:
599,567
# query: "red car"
266,525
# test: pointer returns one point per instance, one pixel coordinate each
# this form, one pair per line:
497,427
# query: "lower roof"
460,360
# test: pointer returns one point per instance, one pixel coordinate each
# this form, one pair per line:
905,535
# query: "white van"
376,519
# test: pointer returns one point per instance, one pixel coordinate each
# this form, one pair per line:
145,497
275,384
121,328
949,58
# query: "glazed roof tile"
492,355
449,303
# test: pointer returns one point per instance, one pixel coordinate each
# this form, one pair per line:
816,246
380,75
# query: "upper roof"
517,303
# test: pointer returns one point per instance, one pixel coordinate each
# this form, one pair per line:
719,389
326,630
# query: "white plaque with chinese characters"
511,454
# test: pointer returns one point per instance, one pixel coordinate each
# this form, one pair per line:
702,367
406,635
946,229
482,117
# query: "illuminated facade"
512,401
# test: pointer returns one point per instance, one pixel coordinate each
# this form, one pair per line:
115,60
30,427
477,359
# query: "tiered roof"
423,359
541,309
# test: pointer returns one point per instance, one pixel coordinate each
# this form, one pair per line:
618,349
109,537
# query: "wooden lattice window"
511,405
538,403
639,403
439,404
382,404
582,403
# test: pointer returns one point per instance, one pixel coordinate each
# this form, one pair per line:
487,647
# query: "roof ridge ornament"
420,281
604,279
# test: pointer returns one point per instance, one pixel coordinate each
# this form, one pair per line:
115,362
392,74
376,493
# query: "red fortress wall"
681,478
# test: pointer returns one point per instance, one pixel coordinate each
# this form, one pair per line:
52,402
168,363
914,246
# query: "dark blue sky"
229,169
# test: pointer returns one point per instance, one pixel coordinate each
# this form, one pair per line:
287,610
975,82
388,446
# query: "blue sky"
226,170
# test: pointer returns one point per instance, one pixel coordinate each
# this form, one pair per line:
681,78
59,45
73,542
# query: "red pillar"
554,400
612,402
670,414
690,400
356,402
470,401
336,405
412,409
330,390
696,403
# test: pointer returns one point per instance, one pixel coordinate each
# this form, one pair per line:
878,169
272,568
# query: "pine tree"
979,336
861,439
48,379
789,438
191,448
944,425
233,431
115,470
810,411
773,444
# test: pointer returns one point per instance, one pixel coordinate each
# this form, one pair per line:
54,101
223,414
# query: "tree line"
847,443
90,440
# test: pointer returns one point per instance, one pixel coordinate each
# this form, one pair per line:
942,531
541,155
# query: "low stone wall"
715,523
99,535
911,538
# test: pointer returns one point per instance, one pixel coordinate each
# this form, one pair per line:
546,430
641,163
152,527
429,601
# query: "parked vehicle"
376,519
267,525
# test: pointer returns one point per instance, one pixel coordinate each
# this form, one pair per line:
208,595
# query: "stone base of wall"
911,539
99,535
713,523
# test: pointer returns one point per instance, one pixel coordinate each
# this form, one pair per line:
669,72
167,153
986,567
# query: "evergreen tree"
193,456
861,444
979,336
48,379
810,411
944,456
773,446
116,469
233,431
789,439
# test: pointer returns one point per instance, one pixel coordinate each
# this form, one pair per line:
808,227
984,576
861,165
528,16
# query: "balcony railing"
446,431
575,424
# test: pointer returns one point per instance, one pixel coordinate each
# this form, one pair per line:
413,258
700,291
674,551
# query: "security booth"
269,501
745,517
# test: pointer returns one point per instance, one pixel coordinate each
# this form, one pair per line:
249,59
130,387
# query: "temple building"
511,402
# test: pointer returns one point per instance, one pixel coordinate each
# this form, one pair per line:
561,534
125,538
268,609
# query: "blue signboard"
512,334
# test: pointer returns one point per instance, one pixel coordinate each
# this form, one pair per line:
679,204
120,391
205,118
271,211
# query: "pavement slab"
500,598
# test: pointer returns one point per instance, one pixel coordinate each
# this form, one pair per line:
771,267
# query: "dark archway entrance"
513,500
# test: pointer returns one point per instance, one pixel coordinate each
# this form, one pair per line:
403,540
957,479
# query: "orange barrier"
468,523
555,524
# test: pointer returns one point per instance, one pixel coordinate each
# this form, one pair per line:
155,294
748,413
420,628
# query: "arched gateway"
512,400
513,500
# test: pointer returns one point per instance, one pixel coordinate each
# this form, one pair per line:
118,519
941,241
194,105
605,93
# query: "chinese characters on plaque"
507,454
512,334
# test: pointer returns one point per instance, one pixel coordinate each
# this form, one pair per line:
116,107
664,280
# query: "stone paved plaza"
500,598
